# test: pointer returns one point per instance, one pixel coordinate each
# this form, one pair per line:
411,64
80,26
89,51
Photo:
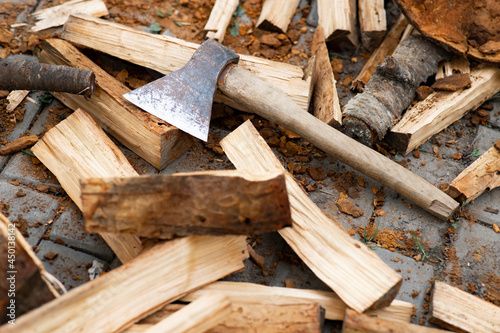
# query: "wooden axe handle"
274,105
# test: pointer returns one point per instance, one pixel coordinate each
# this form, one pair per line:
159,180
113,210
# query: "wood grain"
372,22
219,19
277,14
338,18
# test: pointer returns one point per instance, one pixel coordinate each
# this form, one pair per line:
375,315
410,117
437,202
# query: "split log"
391,89
57,15
77,148
372,22
250,318
481,176
117,299
241,293
23,280
324,246
441,109
457,64
199,316
219,19
377,57
150,51
338,19
460,311
18,144
148,136
15,98
30,75
277,14
194,203
358,322
325,100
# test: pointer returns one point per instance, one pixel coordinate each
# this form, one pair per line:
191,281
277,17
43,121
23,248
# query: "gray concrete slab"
485,139
486,208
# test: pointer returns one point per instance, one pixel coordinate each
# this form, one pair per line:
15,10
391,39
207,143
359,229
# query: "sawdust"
387,238
454,273
492,292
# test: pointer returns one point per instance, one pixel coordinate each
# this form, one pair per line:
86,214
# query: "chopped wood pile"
178,235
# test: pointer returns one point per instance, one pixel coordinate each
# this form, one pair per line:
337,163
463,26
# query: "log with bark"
372,22
391,89
78,148
23,74
324,246
148,136
192,203
460,311
481,176
277,14
24,282
249,293
377,57
338,19
443,108
219,19
150,51
325,100
117,299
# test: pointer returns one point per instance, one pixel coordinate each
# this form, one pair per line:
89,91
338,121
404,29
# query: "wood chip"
453,82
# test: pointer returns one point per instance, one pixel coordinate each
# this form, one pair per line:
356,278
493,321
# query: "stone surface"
485,139
486,208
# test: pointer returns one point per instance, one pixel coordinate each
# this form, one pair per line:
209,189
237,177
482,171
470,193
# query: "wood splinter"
220,202
18,144
219,19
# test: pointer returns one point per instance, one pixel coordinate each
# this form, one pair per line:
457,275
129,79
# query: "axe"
184,99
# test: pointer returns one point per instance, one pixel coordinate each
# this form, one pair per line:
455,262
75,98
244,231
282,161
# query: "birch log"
219,19
358,276
372,22
277,14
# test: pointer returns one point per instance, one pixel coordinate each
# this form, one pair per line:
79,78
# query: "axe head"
184,98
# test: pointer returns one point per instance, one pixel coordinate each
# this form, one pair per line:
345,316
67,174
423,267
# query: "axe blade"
184,98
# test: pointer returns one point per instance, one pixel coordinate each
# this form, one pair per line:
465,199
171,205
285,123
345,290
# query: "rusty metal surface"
184,98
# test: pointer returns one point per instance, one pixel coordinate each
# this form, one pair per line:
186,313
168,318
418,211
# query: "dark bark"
31,75
391,89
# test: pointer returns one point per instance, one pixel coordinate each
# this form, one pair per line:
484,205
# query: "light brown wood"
441,109
386,48
251,318
193,203
78,148
57,15
199,316
356,274
23,279
117,299
272,104
481,176
18,144
277,14
372,22
325,100
219,19
457,64
338,18
150,51
148,136
459,311
15,98
363,323
251,293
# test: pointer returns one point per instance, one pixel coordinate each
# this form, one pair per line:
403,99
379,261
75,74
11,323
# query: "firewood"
338,19
250,318
219,19
277,14
23,74
460,311
57,15
325,247
15,98
457,64
149,137
481,176
23,279
377,57
220,202
358,322
78,148
325,99
391,89
150,51
372,22
441,109
159,275
250,293
18,144
199,316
